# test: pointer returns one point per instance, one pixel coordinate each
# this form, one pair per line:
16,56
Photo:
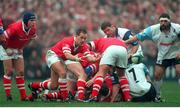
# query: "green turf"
171,92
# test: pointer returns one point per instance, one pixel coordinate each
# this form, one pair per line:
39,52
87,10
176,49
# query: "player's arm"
148,78
131,40
145,34
135,44
90,82
67,53
92,58
133,50
146,71
115,92
69,56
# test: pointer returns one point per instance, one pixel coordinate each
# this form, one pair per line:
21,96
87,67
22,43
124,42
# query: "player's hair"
81,30
164,15
105,24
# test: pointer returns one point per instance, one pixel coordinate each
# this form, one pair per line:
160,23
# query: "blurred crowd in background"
60,18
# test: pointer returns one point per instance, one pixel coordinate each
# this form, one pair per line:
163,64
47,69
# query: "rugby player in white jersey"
166,35
137,73
111,30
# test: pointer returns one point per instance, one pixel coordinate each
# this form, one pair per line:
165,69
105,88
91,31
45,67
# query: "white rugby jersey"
136,75
168,44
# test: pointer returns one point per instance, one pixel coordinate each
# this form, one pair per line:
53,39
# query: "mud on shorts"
10,53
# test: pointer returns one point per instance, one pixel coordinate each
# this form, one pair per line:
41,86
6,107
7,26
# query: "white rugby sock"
157,85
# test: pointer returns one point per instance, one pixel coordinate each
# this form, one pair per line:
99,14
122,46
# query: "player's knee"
178,69
63,75
54,86
9,71
20,73
157,76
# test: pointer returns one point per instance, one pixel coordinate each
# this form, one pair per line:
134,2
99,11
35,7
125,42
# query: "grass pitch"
170,91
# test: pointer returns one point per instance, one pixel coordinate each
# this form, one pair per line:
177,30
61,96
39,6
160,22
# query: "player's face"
164,24
109,31
32,24
81,38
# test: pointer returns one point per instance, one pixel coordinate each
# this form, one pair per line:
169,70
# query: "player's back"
137,80
101,44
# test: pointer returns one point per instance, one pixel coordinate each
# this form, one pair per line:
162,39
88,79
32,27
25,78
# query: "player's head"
137,58
165,22
81,35
108,29
29,19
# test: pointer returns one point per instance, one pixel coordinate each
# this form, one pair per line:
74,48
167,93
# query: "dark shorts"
168,62
149,96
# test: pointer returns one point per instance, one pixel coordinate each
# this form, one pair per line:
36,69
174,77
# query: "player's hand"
9,52
98,56
89,83
20,51
79,59
130,55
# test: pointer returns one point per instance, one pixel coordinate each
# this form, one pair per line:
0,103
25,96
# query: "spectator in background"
16,37
166,34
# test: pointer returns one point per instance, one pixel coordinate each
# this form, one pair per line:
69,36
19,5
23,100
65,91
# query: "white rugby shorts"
115,56
52,57
9,53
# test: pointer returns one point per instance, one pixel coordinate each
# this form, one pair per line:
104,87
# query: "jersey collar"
23,27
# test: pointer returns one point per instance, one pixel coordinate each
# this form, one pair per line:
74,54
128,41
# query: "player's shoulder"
140,65
122,30
68,39
154,27
175,25
15,25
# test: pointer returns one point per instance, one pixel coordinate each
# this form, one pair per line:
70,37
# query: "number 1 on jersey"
134,75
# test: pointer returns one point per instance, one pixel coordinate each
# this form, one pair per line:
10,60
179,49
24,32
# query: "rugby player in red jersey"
114,54
64,53
13,40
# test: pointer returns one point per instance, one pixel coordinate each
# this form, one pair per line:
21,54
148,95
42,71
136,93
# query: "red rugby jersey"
17,37
68,45
100,45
